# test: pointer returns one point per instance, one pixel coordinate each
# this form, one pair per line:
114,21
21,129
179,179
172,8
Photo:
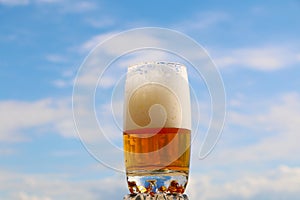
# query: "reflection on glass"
157,128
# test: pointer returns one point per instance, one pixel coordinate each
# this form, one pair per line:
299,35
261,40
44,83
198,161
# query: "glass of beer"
157,128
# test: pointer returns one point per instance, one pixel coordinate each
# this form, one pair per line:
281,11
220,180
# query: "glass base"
156,197
158,181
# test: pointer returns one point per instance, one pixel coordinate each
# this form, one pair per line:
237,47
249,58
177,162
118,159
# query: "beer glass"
157,128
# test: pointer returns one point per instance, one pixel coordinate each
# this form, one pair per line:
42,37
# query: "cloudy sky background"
255,45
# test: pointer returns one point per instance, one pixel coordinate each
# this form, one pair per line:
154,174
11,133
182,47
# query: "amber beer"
157,125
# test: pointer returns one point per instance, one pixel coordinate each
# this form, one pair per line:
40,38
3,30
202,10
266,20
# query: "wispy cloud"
14,2
202,21
101,22
65,6
58,186
119,43
273,125
264,58
19,116
90,70
62,83
26,196
94,41
67,76
22,120
277,183
48,1
78,6
55,58
7,151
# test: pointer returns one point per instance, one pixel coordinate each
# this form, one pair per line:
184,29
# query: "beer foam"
157,95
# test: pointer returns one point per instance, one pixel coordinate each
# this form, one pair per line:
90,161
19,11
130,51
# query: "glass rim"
167,63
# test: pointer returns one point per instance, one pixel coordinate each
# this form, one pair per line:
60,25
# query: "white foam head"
157,95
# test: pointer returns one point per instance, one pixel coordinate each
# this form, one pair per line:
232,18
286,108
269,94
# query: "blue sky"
254,44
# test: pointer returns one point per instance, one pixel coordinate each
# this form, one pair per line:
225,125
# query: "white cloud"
202,21
119,43
272,128
7,151
107,82
59,186
65,6
61,83
18,116
276,183
14,2
101,22
66,80
55,58
281,114
79,6
21,121
94,41
49,1
265,58
25,196
93,65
